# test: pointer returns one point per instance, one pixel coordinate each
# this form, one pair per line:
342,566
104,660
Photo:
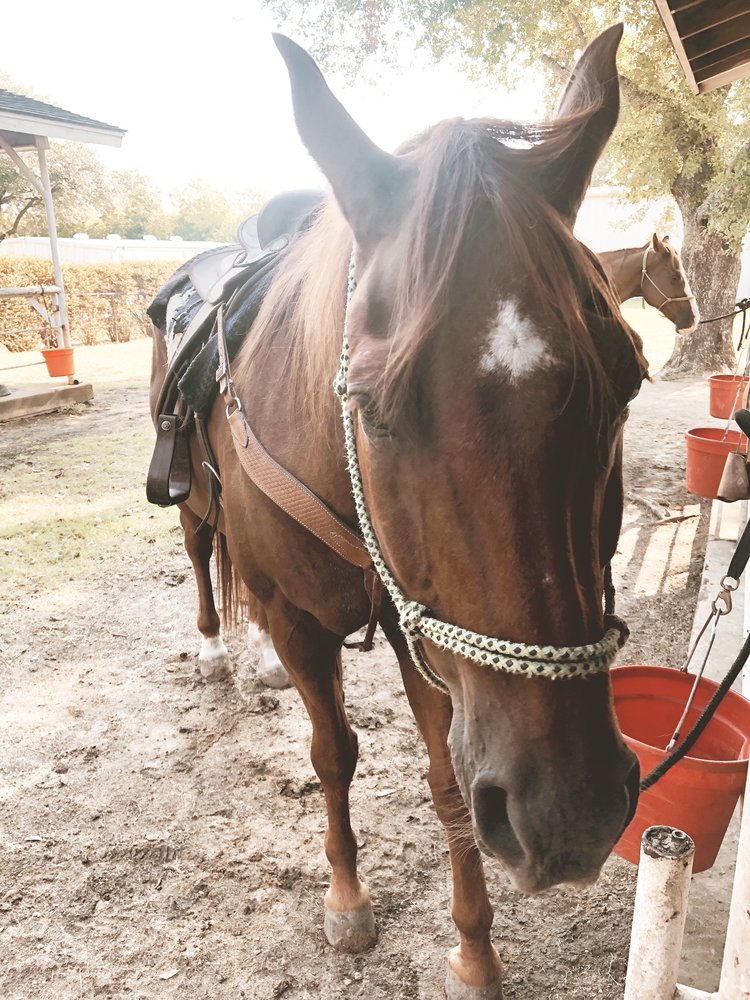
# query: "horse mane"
303,312
472,174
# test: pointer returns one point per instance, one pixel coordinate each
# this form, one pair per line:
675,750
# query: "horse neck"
625,269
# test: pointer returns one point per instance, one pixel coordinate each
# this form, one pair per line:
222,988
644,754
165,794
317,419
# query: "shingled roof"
22,119
711,39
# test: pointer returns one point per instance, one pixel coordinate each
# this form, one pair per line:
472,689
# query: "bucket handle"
720,606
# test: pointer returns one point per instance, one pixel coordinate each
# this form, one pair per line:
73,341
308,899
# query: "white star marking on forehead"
513,344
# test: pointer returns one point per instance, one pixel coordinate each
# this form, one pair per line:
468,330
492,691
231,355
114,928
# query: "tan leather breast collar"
288,492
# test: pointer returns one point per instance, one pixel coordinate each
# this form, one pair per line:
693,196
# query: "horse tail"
234,598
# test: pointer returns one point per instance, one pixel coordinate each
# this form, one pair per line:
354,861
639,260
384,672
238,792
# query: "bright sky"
203,92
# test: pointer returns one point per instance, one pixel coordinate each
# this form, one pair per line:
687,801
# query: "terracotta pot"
707,450
727,393
699,794
59,361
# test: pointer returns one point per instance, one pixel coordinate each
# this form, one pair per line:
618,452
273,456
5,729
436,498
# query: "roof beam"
717,38
722,79
666,15
699,18
734,55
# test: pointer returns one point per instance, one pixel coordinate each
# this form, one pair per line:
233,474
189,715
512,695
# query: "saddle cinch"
235,278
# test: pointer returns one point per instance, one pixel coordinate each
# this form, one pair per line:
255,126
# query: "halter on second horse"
645,275
553,662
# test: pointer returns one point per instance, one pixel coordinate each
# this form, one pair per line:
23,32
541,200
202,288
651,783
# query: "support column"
659,914
42,145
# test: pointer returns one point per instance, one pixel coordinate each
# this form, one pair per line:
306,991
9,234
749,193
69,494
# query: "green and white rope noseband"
553,662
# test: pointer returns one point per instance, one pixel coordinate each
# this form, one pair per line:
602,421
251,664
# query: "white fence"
82,250
604,223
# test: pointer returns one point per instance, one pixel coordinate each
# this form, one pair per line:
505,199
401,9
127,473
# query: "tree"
668,141
134,209
79,187
203,212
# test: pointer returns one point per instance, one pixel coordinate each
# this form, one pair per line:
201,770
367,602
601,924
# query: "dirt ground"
162,837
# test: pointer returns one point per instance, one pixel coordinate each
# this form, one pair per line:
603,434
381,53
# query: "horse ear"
658,245
364,178
592,95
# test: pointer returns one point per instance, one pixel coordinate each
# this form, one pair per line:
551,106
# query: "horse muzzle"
563,835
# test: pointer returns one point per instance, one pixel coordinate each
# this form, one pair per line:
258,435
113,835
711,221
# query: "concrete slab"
30,400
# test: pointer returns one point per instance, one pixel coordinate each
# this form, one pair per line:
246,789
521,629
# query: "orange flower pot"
699,794
59,361
727,393
707,450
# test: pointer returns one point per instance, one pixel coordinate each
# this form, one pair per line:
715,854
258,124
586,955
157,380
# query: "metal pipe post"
41,151
659,913
735,968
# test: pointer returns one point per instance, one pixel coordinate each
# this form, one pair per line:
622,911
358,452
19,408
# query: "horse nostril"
493,825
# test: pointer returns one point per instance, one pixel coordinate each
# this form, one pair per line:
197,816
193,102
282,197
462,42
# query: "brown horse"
654,271
485,396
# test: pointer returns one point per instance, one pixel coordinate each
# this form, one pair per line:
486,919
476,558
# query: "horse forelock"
481,175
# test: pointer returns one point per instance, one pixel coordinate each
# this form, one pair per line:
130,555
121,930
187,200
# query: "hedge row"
106,302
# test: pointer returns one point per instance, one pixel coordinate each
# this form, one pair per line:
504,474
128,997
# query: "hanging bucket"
727,393
707,450
59,361
699,794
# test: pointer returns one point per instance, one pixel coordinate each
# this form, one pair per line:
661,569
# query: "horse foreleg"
313,659
213,658
474,967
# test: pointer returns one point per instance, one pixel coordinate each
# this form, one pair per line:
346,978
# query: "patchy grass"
67,505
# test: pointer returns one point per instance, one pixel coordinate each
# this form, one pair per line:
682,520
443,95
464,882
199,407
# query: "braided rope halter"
645,276
415,621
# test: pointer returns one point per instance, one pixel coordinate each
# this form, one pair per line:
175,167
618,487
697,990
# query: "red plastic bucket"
707,450
699,794
727,393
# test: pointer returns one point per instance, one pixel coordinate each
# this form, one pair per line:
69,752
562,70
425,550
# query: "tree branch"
14,228
578,29
557,68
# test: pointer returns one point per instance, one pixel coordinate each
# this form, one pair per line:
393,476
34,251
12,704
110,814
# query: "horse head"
490,375
665,285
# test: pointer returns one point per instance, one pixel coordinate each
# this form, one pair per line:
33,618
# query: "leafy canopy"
668,141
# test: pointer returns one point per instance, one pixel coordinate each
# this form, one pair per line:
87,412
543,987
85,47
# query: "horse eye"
369,416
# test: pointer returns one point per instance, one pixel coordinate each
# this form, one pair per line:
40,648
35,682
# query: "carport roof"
711,39
22,119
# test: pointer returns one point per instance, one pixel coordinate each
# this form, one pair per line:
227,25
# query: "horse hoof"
351,931
274,676
271,671
457,989
215,669
213,659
